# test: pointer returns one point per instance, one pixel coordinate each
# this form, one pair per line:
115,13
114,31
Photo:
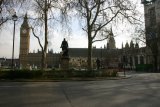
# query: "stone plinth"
64,63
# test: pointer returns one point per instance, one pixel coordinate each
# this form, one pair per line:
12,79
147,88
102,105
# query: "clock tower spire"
24,41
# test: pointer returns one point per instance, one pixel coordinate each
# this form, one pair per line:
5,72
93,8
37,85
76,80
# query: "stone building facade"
152,27
109,56
130,55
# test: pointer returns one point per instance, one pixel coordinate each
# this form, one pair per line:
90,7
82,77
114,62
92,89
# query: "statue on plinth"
65,56
64,47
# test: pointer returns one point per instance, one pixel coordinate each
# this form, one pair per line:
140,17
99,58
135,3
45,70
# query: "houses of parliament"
130,54
109,55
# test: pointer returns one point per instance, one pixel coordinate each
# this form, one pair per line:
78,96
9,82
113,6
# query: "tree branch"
3,21
96,15
100,39
100,27
37,38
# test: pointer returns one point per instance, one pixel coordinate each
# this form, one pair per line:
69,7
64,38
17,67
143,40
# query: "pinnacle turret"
25,21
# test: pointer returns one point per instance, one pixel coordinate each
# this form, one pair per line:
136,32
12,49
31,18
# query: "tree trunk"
42,60
89,52
46,36
155,63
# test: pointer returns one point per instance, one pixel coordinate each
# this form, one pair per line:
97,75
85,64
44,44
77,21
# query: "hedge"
54,74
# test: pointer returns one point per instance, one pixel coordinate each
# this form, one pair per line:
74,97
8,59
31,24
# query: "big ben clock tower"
24,42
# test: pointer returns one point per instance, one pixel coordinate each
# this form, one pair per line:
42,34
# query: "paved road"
141,90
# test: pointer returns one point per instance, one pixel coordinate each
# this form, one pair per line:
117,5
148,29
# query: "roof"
98,52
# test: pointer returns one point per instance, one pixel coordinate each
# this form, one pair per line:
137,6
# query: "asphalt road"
141,90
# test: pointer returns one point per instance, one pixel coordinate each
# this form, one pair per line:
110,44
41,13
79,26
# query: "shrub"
20,74
56,74
109,73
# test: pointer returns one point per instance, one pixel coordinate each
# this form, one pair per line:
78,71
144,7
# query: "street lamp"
14,18
101,57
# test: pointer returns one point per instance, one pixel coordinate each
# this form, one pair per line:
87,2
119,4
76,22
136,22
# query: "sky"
77,38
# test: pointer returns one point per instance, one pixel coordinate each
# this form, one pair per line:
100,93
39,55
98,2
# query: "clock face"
24,31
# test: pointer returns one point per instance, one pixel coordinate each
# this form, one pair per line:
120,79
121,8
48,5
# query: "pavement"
139,90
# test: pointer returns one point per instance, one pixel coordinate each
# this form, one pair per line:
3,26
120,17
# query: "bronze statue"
64,47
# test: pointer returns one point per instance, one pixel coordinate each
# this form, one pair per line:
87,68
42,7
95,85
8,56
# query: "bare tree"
44,11
98,15
139,33
7,9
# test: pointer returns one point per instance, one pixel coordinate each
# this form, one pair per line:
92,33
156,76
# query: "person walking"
98,63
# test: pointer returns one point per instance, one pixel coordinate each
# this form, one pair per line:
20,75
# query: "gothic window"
131,61
136,60
141,60
152,15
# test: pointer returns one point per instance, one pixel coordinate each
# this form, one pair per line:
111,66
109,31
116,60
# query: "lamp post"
14,18
124,61
101,57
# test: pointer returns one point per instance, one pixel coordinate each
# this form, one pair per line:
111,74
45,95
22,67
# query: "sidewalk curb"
67,80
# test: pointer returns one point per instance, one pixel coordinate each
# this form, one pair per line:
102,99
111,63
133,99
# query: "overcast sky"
77,39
